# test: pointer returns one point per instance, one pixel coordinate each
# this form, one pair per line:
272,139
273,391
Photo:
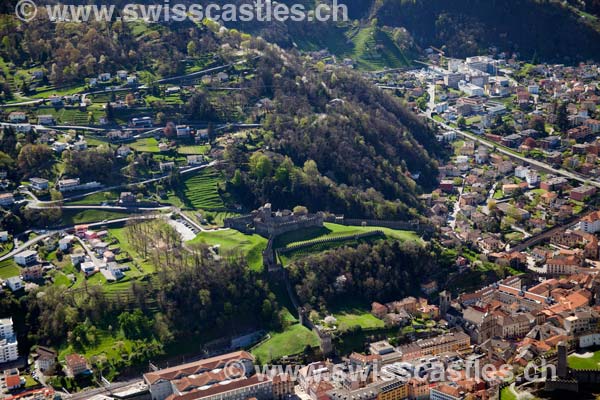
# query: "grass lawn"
291,341
361,318
73,217
251,246
119,234
6,247
188,150
111,346
96,198
8,268
146,145
30,382
332,230
507,394
585,363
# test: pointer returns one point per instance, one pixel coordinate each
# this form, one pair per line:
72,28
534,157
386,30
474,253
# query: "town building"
27,257
39,183
8,341
6,199
76,364
190,379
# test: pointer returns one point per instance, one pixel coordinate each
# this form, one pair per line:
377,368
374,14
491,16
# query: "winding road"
526,160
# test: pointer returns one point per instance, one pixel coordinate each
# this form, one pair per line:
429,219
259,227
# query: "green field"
251,246
189,150
291,341
507,394
6,247
8,268
96,198
119,234
146,145
361,318
374,49
585,363
74,217
332,230
200,191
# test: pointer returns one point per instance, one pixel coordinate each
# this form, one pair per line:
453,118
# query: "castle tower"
445,300
326,343
562,370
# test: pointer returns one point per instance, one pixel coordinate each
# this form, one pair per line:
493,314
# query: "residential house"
32,273
6,199
590,223
64,244
79,145
15,283
59,147
75,364
46,119
183,131
12,379
196,159
16,117
124,151
166,166
582,193
27,257
39,183
127,198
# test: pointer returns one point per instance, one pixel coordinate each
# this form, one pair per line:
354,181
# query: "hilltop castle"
267,223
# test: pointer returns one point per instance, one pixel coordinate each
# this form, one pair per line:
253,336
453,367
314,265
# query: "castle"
267,223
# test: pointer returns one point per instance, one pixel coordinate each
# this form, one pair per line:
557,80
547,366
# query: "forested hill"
546,30
549,30
330,140
391,33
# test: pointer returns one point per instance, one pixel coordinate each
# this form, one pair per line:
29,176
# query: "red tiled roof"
196,367
13,381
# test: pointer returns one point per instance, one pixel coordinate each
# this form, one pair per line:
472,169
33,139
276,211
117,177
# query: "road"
98,207
103,390
26,245
182,171
526,160
49,233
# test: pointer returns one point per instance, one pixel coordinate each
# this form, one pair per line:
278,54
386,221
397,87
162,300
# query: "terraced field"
201,191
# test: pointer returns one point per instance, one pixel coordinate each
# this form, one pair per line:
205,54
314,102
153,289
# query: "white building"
59,147
46,119
183,131
532,178
39,183
26,257
470,89
8,341
67,185
590,223
65,243
15,283
6,199
521,171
